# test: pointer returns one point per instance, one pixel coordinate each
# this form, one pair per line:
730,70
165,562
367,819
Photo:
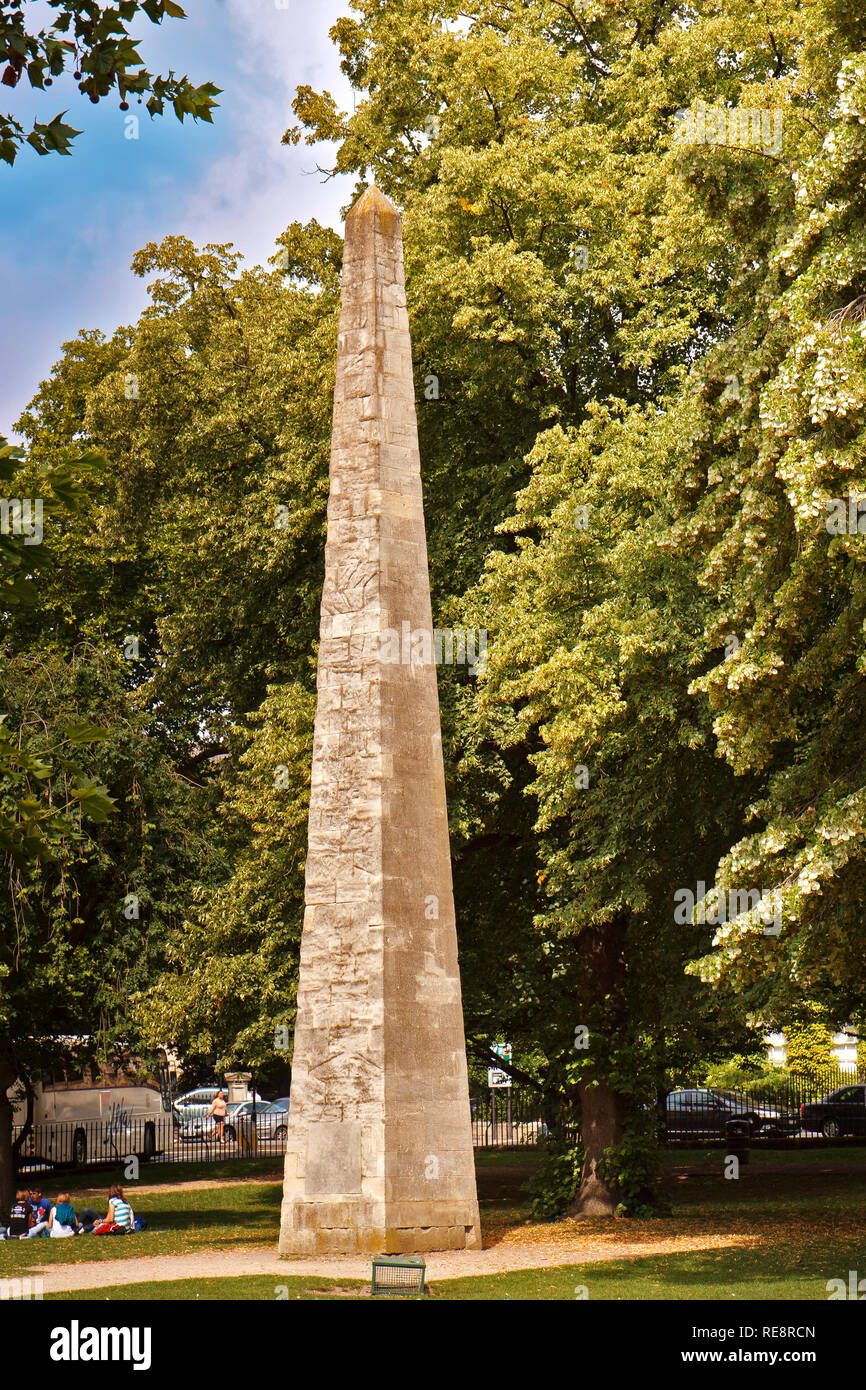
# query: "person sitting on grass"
19,1217
119,1217
41,1208
62,1220
88,1219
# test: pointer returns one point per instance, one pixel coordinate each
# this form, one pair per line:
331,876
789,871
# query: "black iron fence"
503,1119
825,1107
79,1144
507,1117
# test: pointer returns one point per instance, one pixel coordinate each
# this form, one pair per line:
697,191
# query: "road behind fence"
786,1112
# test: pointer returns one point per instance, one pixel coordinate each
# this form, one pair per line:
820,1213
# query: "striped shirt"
122,1213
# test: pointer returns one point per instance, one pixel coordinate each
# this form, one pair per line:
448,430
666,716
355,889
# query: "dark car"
842,1112
706,1111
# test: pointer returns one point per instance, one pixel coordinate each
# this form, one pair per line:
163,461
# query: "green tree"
809,1048
95,881
767,482
228,991
93,42
201,558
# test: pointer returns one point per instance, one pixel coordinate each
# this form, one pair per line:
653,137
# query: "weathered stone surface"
379,1152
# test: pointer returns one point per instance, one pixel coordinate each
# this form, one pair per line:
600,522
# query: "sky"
69,227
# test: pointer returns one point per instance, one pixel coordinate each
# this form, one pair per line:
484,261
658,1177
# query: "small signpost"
499,1080
495,1077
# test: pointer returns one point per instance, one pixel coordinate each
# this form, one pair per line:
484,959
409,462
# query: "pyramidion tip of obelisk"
372,202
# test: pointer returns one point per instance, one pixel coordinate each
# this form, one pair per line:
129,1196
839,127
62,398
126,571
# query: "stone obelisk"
379,1153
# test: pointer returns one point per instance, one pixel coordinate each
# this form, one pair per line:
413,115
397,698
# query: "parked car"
271,1118
841,1112
708,1111
240,1110
273,1122
190,1111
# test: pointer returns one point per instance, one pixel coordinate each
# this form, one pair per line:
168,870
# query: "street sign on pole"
496,1078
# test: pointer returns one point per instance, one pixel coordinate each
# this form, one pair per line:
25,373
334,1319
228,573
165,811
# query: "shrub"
553,1187
632,1168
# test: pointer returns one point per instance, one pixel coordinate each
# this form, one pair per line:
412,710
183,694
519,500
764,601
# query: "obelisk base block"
305,1232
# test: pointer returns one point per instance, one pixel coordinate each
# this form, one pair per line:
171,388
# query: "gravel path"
502,1257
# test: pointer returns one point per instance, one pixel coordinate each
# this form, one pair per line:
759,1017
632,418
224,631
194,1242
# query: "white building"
843,1050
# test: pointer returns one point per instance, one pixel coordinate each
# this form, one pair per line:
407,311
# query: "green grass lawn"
725,1276
200,1218
258,1288
150,1174
803,1212
507,1158
816,1158
762,1273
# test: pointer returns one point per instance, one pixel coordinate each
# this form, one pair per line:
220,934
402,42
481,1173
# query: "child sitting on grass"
20,1216
119,1217
62,1220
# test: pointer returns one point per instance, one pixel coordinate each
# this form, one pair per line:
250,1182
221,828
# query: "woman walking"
218,1109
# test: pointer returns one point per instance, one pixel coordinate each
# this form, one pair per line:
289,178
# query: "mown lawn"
725,1276
799,1217
200,1218
259,1288
255,1289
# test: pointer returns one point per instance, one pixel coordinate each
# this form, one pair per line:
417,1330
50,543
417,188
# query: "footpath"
263,1260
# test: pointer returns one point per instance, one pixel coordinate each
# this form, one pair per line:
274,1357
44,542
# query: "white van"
110,1116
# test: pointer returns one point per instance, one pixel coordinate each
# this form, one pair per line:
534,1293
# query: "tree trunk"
551,1112
26,1129
600,1128
7,1156
602,978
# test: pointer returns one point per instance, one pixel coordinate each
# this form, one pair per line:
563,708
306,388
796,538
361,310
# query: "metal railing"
497,1122
788,1110
505,1117
826,1105
79,1144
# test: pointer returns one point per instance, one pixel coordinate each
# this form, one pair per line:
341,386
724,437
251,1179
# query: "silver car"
191,1109
239,1112
273,1123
